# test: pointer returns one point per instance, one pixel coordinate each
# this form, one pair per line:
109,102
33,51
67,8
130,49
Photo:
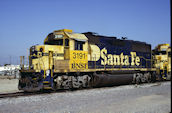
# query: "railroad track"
17,94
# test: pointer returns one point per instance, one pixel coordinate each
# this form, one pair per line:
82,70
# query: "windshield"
160,52
169,54
54,39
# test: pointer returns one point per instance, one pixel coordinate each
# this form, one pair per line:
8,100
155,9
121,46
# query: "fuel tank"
101,80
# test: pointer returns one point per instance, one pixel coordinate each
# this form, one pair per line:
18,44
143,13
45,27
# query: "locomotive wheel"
138,79
143,78
148,77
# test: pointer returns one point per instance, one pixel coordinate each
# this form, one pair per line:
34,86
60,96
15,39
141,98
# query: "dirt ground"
8,85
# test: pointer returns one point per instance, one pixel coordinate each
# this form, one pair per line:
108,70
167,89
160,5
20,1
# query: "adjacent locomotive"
162,61
75,60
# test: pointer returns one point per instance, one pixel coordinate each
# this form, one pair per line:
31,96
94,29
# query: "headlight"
47,72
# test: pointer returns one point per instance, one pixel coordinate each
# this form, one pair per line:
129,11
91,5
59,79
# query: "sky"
24,23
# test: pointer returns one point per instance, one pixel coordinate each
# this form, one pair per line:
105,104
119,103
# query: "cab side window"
59,42
66,42
79,45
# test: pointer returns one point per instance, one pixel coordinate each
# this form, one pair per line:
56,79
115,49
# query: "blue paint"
125,47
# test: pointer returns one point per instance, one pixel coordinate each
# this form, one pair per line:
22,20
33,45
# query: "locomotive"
69,60
162,59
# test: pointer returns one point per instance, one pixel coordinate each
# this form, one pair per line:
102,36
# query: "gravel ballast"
146,98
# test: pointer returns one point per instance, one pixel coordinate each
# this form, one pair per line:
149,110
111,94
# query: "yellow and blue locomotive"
78,60
162,61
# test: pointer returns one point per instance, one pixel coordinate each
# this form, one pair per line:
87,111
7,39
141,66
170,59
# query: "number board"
78,60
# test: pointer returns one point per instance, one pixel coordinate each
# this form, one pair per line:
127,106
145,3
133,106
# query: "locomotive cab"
74,47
